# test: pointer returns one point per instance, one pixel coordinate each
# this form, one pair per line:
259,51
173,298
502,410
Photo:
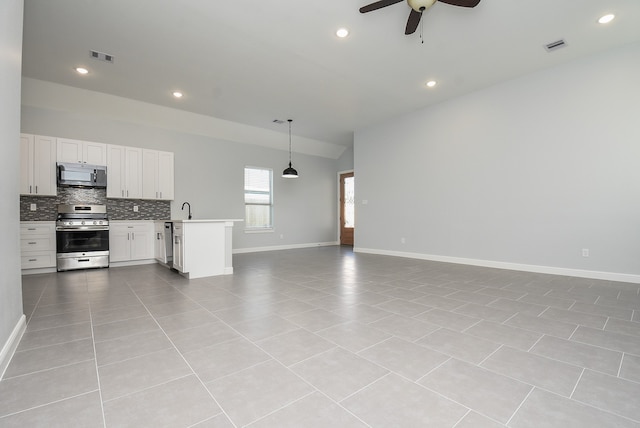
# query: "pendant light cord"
290,120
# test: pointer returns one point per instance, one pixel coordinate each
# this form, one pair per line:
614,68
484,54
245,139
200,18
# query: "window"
258,198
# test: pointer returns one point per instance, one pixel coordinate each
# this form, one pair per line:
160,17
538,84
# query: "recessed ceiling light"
606,18
177,94
82,70
431,83
342,33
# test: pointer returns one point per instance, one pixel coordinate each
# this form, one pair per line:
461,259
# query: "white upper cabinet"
124,172
133,171
149,174
157,175
76,151
116,187
37,165
94,153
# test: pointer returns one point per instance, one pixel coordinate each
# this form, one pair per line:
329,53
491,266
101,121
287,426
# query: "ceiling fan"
417,7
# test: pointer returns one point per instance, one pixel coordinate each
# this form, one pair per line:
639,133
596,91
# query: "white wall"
345,162
10,282
209,171
524,174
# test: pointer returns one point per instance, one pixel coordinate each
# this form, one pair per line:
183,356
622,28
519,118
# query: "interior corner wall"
345,162
209,174
10,70
526,173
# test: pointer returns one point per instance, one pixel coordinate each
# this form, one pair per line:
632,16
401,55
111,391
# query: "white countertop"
204,220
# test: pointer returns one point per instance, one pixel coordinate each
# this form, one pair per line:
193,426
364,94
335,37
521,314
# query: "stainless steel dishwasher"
168,243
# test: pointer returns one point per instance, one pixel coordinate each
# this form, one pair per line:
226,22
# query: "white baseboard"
134,263
610,276
11,344
284,247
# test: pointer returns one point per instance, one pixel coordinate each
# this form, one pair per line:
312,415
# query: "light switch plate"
135,208
33,207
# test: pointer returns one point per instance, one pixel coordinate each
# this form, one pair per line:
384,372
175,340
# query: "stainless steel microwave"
81,175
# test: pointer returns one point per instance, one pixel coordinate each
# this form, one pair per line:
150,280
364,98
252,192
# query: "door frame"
338,204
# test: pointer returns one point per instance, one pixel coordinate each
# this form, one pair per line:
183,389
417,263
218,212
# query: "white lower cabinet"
202,248
129,241
37,244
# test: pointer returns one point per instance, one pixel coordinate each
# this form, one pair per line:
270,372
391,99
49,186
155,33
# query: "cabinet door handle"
33,260
133,236
29,188
36,189
32,243
31,228
127,193
160,195
122,193
128,236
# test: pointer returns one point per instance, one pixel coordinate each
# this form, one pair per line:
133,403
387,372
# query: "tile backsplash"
117,209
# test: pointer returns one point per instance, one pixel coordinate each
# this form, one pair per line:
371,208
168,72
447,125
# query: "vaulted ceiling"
255,61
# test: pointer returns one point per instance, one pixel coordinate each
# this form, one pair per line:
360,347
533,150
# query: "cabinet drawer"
37,229
38,260
40,243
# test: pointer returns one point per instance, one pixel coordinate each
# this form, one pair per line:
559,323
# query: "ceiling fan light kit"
420,5
417,7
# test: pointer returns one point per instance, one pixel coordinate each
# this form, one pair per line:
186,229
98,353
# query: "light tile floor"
324,337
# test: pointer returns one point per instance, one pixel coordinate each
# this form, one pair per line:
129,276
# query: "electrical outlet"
585,252
33,207
135,208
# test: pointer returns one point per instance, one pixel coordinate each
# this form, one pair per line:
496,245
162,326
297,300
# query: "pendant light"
290,172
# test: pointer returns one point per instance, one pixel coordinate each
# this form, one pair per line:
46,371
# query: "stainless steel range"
82,237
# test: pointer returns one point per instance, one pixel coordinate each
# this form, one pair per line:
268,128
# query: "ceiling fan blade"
412,22
378,5
461,3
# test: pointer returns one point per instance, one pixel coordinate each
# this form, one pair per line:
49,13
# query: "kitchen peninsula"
202,248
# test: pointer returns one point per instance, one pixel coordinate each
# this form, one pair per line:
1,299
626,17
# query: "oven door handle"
71,229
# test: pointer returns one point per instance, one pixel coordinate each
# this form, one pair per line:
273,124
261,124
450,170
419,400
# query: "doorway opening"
347,208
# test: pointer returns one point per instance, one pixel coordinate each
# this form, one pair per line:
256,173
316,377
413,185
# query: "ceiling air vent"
555,45
101,56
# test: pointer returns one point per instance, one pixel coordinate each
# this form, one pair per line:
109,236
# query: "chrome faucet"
187,203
